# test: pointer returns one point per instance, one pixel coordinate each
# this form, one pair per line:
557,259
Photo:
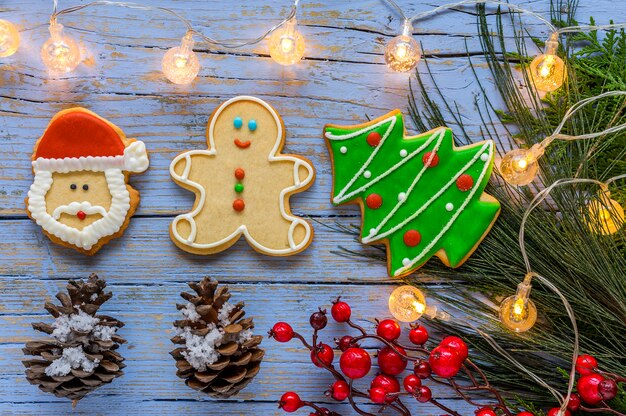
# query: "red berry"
339,390
389,383
318,320
588,388
525,414
344,343
355,363
555,411
378,395
418,335
422,369
322,354
282,332
457,344
445,361
485,411
290,402
586,364
574,402
608,389
424,394
388,329
411,383
340,311
390,362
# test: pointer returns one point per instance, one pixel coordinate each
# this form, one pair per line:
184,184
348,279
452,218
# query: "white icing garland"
242,229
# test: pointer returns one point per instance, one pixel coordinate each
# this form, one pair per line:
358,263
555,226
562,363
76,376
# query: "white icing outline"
74,207
243,229
91,234
488,144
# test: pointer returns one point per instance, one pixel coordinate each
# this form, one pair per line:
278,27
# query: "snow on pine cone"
219,355
80,354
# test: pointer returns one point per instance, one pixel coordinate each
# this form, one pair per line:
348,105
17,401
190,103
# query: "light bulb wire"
584,28
190,29
444,7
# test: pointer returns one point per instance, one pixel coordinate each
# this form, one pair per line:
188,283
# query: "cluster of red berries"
593,387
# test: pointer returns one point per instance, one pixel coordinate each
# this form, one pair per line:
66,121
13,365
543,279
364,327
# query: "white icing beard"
110,223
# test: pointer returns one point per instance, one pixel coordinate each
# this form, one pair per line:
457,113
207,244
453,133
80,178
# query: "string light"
605,215
519,167
518,312
403,53
287,44
9,38
408,304
60,54
547,71
180,64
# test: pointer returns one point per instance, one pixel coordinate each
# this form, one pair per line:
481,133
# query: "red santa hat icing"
80,140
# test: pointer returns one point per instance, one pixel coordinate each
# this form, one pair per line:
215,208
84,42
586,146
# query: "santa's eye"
73,187
252,125
237,122
85,187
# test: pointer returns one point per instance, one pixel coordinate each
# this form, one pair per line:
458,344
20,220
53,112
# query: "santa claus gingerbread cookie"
242,184
80,196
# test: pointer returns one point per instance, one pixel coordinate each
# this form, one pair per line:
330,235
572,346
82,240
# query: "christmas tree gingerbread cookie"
80,196
242,184
421,196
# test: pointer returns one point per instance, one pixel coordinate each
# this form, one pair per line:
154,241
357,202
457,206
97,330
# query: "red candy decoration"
290,402
374,201
418,335
390,362
445,361
388,383
412,383
81,215
238,205
458,345
412,238
340,311
430,159
322,354
464,182
588,387
282,332
339,390
388,329
373,139
355,363
485,411
586,364
240,174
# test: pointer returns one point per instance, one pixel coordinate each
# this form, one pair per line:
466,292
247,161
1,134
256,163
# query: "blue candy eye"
252,125
238,122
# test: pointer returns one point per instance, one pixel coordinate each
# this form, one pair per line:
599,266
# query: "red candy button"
238,205
465,182
430,159
374,201
81,215
412,238
240,173
373,139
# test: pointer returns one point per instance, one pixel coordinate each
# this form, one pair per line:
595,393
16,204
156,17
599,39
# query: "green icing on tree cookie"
420,194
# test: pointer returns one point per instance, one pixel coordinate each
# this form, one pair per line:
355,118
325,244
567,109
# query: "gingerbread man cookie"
80,195
242,184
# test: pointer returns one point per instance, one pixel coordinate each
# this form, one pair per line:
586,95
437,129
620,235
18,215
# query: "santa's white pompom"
136,157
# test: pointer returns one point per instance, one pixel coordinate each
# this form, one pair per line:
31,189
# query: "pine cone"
219,354
80,356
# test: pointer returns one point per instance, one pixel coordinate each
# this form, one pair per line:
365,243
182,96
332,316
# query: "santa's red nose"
81,215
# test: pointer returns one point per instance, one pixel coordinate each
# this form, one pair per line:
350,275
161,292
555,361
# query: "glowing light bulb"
519,167
9,38
547,71
60,53
287,44
407,303
518,312
403,52
606,215
180,64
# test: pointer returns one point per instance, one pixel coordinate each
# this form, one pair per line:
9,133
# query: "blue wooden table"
342,80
